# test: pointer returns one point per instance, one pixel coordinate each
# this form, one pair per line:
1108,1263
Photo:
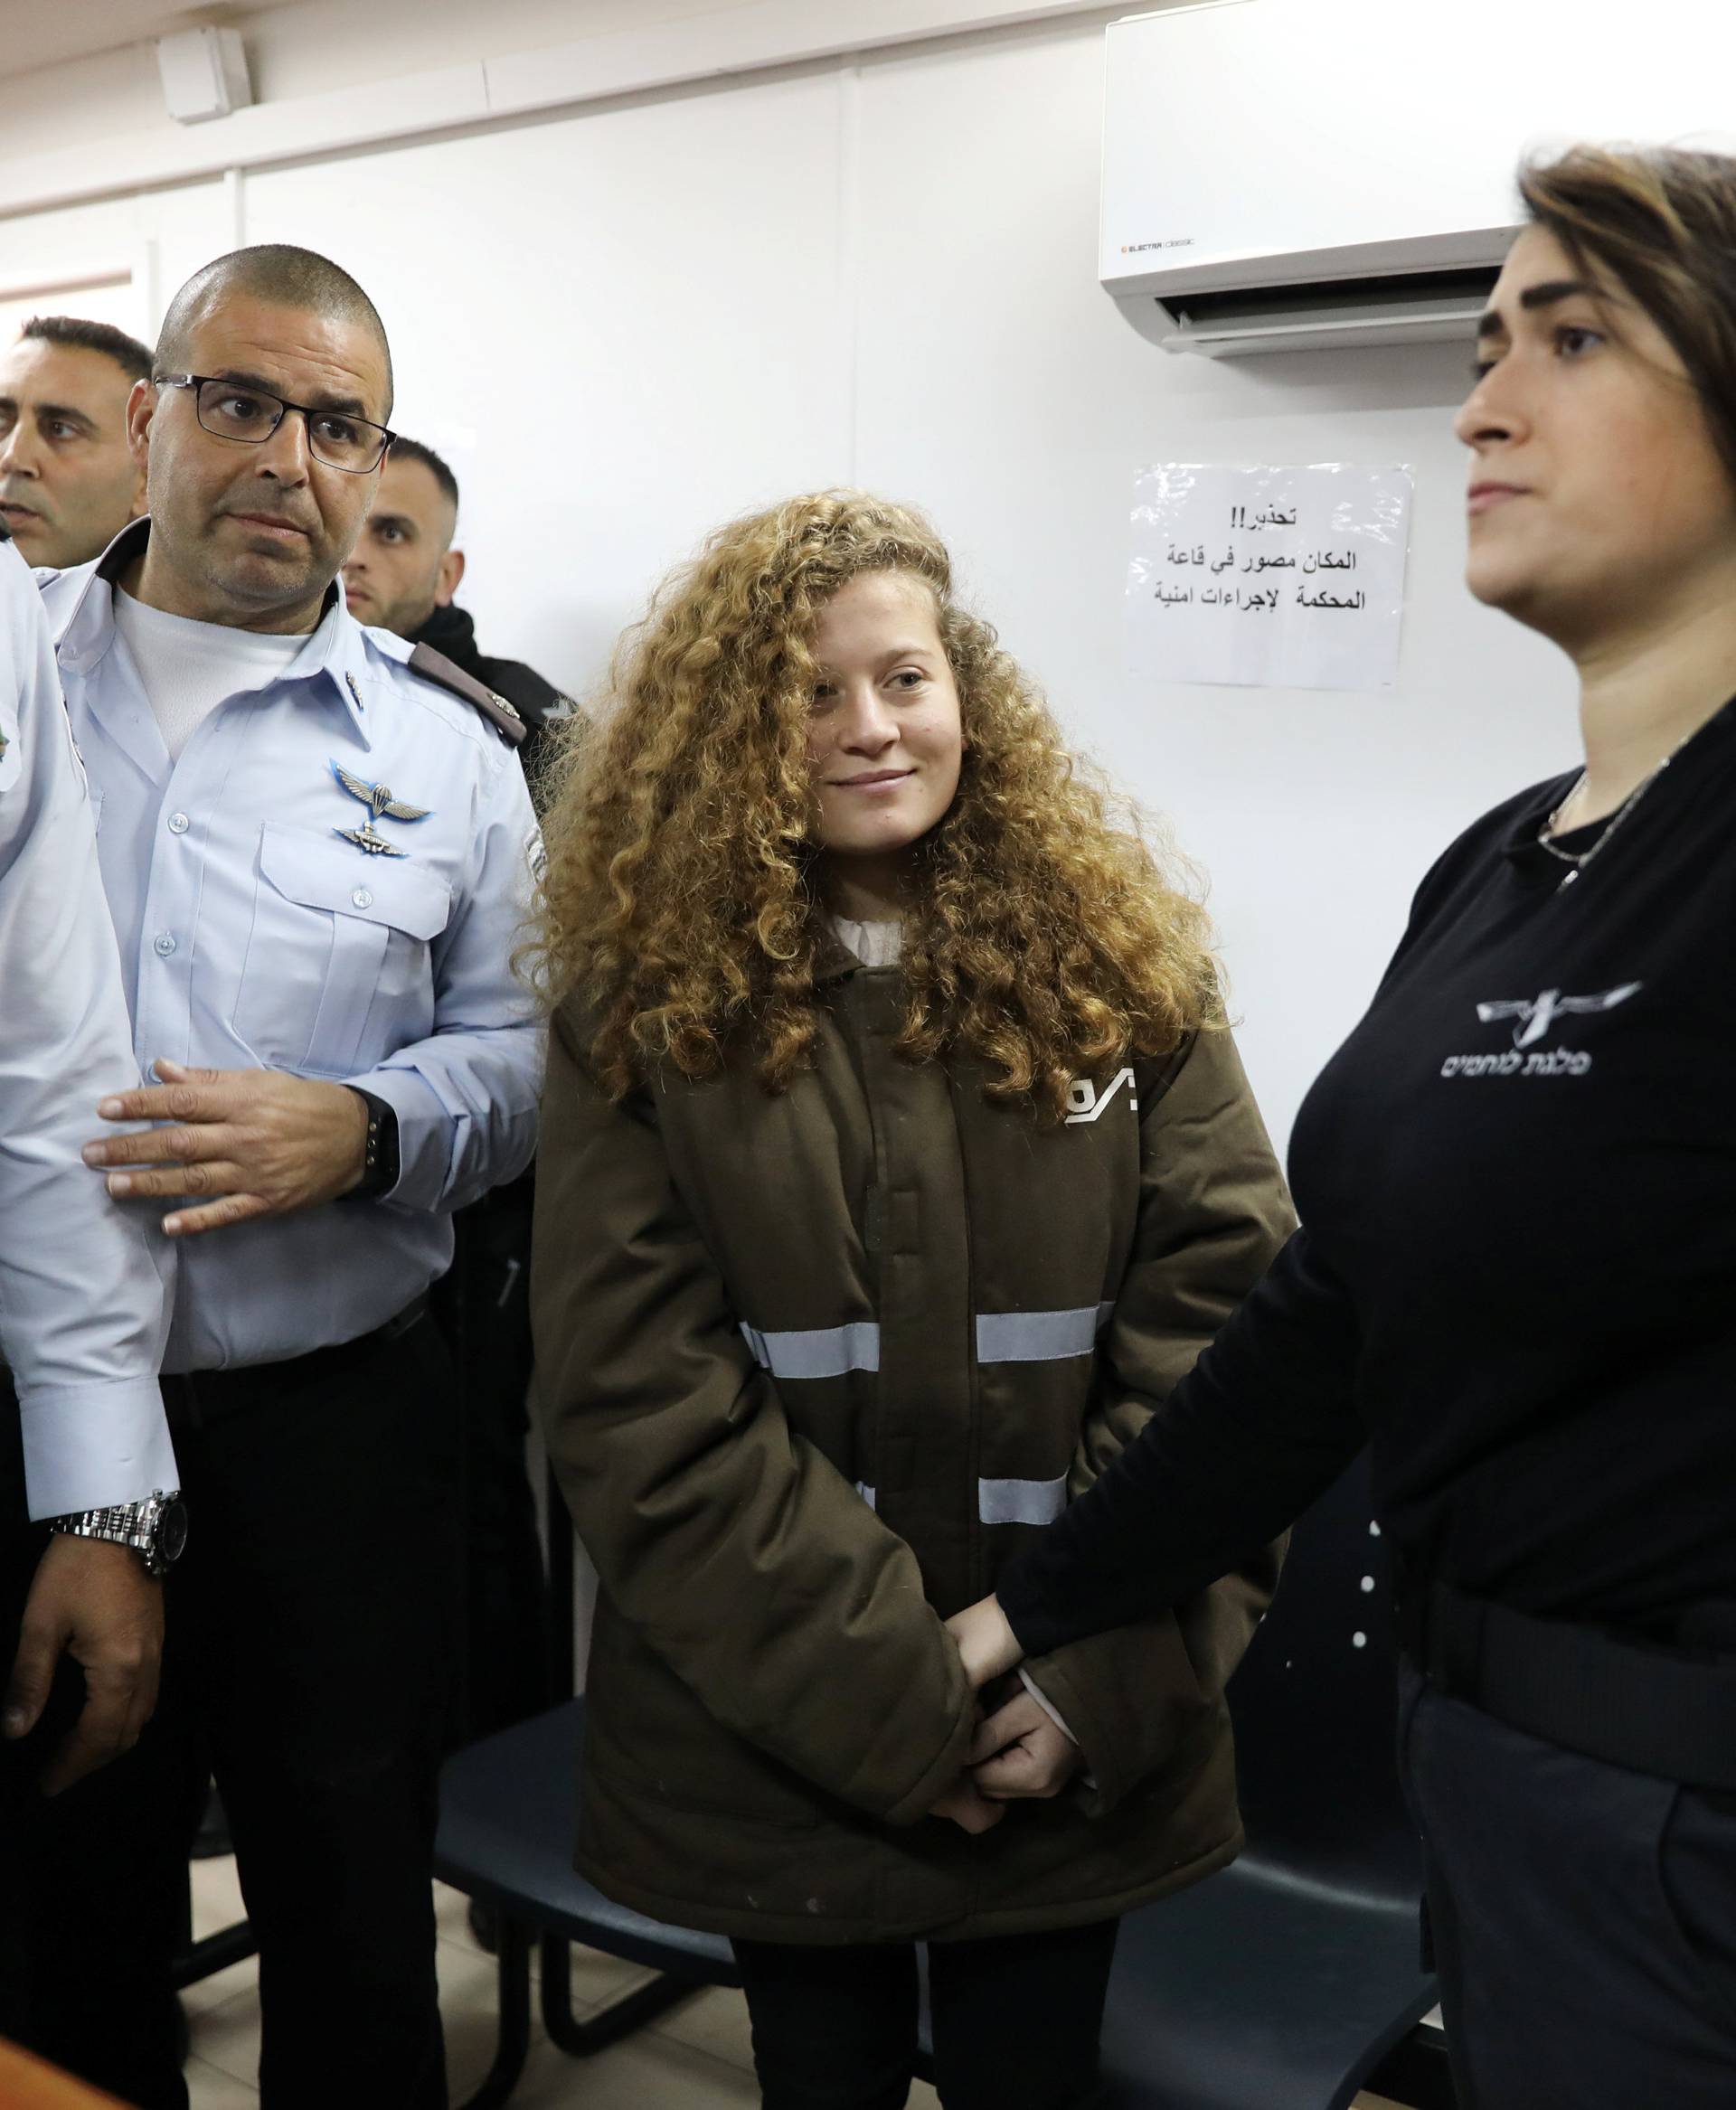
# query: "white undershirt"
875,944
187,668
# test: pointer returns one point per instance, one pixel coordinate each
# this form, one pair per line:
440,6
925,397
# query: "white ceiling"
34,33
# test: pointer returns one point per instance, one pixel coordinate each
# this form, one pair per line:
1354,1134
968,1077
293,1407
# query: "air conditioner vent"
1462,290
1327,315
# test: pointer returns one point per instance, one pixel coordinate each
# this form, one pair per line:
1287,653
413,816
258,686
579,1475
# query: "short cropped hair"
412,450
277,272
79,335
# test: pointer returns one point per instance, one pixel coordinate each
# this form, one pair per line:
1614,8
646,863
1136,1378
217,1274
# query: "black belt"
203,1395
1657,1710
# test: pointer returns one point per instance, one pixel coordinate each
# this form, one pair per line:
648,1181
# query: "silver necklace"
1577,861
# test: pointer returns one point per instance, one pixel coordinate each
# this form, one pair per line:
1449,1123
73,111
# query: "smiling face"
404,567
245,535
1597,490
885,740
68,480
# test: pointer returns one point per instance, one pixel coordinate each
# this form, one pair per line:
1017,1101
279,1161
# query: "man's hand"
965,1804
988,1645
1019,1753
262,1142
93,1601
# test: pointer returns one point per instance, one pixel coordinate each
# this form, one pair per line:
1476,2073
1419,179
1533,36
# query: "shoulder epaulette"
435,667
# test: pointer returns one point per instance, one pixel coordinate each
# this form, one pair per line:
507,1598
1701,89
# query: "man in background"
402,577
69,482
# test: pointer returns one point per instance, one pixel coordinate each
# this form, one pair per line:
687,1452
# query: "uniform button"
363,897
179,824
164,942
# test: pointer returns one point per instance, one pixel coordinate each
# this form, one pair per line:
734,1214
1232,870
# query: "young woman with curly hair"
896,1163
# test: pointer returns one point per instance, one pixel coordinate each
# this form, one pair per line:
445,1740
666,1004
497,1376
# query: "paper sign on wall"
1269,578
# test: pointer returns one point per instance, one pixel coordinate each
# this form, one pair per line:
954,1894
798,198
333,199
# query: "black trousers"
1584,1918
310,1627
1015,2020
482,1304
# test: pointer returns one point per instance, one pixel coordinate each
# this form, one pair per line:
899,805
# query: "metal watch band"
137,1524
122,1522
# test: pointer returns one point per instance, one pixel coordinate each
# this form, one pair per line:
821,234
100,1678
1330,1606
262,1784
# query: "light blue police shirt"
83,1316
255,932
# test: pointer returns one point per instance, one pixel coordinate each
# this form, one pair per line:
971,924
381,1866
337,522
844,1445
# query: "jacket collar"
453,631
834,962
335,649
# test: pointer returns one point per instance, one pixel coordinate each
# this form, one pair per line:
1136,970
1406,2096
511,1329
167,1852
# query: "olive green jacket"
811,1367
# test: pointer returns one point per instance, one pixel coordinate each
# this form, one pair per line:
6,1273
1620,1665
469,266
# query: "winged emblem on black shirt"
1537,1014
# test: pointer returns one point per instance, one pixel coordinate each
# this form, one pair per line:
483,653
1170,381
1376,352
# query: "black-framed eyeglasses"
236,410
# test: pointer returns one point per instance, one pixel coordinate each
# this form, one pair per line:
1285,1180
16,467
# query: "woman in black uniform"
1517,1179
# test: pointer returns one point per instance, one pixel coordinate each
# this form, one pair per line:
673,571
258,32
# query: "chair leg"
632,2012
513,1959
195,1960
230,1945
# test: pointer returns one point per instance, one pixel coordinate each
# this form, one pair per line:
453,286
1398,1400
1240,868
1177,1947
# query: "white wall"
300,49
635,320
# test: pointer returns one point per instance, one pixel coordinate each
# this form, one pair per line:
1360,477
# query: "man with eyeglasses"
316,847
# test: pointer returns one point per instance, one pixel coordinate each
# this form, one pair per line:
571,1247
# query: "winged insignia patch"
378,799
367,837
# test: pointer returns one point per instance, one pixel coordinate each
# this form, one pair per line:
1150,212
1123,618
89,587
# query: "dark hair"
79,335
412,450
277,272
1662,222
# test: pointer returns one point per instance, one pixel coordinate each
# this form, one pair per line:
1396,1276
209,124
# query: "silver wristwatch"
156,1529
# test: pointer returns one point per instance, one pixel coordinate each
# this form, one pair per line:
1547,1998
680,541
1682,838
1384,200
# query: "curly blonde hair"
681,902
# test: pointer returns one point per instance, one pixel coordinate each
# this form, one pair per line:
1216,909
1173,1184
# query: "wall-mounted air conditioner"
1299,175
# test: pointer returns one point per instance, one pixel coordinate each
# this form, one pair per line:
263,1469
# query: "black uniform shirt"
1517,1269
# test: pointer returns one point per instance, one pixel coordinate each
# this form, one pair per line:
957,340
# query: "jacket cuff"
1130,1699
1086,1779
1103,1783
939,1773
1047,1705
93,1447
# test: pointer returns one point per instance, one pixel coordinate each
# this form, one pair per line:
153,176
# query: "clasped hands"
240,1143
1019,1753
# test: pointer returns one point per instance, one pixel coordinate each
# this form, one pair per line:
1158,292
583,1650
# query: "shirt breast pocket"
339,970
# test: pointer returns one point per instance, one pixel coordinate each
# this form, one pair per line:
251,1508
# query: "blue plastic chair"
1291,1978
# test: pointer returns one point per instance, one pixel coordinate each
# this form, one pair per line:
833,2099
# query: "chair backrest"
1315,1703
